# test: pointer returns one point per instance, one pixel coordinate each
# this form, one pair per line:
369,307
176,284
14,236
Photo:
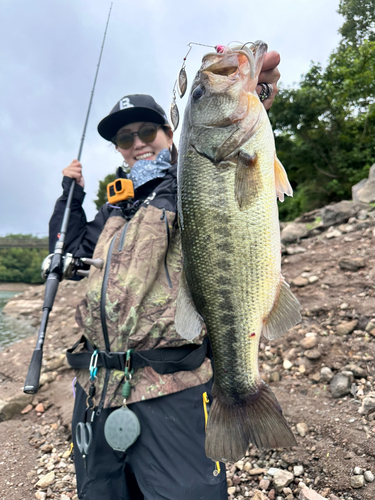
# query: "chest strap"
163,360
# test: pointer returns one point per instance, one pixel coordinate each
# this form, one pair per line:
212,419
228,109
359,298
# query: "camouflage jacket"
139,303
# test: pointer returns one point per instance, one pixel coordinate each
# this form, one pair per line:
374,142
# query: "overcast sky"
48,56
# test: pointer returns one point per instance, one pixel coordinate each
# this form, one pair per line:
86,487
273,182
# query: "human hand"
75,172
269,74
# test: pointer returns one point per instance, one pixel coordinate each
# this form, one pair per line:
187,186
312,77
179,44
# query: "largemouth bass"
229,179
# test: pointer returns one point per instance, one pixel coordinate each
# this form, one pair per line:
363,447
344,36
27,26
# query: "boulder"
338,212
293,232
341,384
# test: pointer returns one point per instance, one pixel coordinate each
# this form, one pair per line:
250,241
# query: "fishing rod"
55,271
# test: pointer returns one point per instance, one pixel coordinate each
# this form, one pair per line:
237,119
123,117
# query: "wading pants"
167,462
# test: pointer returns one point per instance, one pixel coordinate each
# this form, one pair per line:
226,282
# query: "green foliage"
359,24
102,191
21,264
325,129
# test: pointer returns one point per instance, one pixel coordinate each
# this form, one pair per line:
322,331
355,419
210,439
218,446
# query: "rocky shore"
322,372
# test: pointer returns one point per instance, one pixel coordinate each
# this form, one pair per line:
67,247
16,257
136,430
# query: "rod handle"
33,375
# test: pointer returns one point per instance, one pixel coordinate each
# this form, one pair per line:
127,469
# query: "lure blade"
182,82
174,115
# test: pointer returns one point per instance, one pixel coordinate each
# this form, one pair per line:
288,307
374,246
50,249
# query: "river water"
12,329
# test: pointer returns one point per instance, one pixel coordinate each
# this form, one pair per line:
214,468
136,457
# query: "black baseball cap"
129,109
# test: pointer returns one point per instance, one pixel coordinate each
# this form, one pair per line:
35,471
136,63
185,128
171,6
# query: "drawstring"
205,403
164,216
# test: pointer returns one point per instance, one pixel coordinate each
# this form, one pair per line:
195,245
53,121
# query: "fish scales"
231,244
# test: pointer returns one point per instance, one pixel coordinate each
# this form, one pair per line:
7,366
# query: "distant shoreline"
14,287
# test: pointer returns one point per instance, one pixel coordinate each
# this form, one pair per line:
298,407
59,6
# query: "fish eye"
198,92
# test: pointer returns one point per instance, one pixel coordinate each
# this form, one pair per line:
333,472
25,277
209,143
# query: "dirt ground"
335,439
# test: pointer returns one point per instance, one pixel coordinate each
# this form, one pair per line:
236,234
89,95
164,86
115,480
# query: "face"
142,150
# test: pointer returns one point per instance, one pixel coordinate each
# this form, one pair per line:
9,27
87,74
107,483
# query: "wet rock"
282,479
369,476
326,374
299,281
293,232
302,429
312,354
351,263
341,384
346,327
307,494
46,480
357,481
309,342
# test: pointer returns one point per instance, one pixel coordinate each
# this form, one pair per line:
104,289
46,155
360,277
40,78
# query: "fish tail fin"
258,419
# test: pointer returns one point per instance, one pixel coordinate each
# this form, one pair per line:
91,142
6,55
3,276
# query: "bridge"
24,243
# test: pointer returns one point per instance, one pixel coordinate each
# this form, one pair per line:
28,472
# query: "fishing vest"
130,304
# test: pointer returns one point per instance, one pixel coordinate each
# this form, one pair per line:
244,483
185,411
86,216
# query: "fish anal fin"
281,181
188,321
256,419
284,314
248,181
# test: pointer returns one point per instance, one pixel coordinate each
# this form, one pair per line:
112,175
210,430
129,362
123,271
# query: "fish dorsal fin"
187,320
284,314
248,180
281,181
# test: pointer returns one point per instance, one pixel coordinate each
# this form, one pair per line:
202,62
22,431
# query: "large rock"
341,211
341,384
14,405
282,479
293,232
364,191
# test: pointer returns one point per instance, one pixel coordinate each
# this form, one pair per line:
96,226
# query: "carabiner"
93,365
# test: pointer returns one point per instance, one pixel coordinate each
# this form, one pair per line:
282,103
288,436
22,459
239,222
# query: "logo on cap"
125,103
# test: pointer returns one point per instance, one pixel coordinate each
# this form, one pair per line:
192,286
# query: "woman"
130,304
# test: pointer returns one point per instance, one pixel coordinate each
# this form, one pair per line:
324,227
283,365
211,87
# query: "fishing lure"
182,82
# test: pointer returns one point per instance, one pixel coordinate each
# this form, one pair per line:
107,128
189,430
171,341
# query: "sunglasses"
147,134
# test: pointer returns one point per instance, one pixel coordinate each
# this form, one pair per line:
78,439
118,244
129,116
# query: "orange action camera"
120,190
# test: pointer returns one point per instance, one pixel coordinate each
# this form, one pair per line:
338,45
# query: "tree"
359,24
102,191
325,129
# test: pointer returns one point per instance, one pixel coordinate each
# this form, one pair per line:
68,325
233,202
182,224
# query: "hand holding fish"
270,74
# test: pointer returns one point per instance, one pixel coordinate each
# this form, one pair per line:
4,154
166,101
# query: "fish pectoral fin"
248,180
284,314
188,321
281,181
